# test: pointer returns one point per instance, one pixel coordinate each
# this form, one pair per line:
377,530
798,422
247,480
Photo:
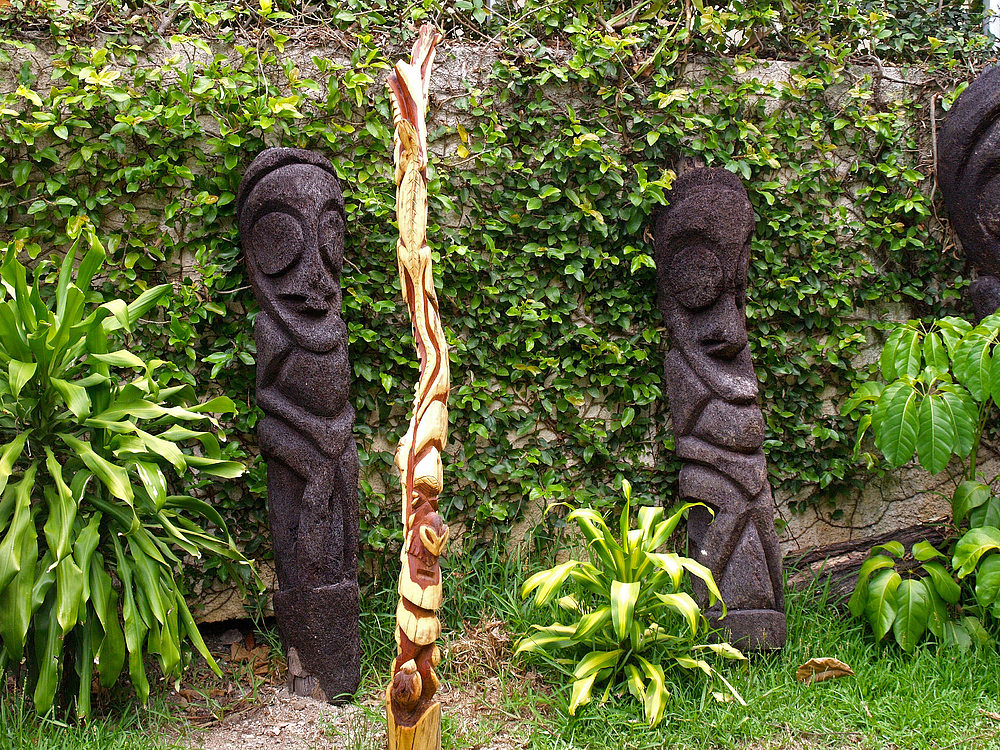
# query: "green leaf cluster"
939,387
92,528
913,603
628,617
942,385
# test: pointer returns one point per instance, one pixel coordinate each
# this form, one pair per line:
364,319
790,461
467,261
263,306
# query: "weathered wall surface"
809,516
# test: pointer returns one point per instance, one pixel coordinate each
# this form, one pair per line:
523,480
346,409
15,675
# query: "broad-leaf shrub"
628,618
942,385
91,536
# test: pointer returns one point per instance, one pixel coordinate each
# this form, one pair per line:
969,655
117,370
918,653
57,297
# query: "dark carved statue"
969,175
291,223
702,247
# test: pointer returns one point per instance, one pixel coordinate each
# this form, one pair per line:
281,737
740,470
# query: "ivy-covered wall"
556,127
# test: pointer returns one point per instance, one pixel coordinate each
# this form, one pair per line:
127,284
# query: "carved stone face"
702,254
292,228
969,149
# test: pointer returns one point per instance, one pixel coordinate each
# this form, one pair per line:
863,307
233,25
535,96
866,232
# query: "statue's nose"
728,333
318,284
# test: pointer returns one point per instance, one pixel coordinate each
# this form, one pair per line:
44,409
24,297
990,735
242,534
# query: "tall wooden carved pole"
414,717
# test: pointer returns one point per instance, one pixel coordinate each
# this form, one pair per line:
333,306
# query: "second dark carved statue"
969,175
291,223
702,247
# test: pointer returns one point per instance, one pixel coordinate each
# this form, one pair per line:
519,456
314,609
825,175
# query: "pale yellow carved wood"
413,715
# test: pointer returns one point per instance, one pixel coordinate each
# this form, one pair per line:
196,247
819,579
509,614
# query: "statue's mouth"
721,348
426,574
309,306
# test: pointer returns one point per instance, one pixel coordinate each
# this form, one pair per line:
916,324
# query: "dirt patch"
279,721
251,709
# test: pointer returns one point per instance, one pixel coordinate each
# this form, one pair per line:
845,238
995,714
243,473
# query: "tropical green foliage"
915,602
942,386
548,157
627,618
91,533
939,388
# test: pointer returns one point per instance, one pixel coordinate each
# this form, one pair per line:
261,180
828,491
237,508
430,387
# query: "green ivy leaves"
547,279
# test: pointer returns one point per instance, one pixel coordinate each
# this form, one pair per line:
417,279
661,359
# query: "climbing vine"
561,131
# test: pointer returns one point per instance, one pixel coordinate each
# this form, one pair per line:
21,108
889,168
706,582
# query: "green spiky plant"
90,537
629,618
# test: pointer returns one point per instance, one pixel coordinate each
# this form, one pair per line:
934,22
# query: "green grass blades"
628,620
125,728
89,518
928,699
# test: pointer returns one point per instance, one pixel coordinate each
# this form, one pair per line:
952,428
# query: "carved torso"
317,381
698,411
322,376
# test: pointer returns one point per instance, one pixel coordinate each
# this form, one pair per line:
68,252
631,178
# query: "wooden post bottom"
424,734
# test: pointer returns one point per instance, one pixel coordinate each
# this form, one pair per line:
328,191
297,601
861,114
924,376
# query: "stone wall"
901,499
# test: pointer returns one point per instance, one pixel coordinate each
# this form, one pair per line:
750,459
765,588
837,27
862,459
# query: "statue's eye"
277,242
696,277
330,234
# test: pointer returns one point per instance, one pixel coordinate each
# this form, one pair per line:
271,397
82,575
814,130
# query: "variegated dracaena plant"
94,523
628,619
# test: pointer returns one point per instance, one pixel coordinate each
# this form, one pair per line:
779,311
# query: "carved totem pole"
414,717
969,175
291,223
702,247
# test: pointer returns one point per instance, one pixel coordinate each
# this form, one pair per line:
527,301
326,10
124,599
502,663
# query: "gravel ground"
279,721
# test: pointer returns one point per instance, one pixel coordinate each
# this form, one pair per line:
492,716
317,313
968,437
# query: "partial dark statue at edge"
702,248
969,175
291,224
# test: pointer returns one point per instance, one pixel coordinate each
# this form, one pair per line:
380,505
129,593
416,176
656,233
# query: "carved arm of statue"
329,434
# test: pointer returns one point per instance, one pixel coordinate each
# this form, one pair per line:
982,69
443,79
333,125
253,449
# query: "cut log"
839,563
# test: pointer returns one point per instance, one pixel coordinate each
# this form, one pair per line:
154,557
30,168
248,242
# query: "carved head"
702,248
291,223
425,545
969,174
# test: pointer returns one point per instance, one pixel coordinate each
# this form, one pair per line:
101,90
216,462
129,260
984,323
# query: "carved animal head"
291,221
702,247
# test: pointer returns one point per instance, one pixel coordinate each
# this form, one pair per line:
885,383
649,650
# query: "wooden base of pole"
423,734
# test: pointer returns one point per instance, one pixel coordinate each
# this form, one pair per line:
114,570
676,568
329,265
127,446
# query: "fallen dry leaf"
240,653
823,668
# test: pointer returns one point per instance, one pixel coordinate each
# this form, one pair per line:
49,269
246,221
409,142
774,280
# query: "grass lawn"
130,728
933,699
